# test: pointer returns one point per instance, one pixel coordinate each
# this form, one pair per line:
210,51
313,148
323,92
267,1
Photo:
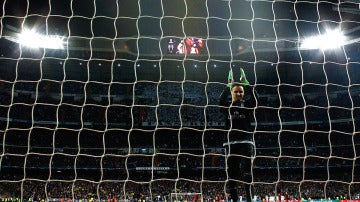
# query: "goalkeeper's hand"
230,79
243,79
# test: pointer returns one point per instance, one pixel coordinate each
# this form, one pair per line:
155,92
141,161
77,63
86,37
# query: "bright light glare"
331,40
32,39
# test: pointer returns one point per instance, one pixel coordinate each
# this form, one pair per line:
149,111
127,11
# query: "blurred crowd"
144,141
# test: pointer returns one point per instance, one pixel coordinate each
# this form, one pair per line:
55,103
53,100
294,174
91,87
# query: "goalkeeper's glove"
243,79
230,79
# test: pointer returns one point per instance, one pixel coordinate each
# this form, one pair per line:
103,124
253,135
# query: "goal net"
182,197
119,99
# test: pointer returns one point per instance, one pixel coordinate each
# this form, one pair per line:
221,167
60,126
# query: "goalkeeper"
239,143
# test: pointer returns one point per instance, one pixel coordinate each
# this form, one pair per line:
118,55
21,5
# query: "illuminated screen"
189,45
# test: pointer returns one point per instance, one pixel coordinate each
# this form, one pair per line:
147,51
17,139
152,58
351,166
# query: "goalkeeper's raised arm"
242,101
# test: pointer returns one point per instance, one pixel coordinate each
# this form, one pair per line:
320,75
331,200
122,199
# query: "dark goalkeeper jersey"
239,116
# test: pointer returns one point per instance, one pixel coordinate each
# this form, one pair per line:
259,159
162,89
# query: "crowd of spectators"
165,189
162,189
145,140
100,106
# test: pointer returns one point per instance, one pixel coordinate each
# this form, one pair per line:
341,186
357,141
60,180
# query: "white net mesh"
129,108
186,197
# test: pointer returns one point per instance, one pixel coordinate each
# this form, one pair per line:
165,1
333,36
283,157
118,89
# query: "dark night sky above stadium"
198,18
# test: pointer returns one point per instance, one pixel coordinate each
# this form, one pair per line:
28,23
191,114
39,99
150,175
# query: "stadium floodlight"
32,39
332,39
